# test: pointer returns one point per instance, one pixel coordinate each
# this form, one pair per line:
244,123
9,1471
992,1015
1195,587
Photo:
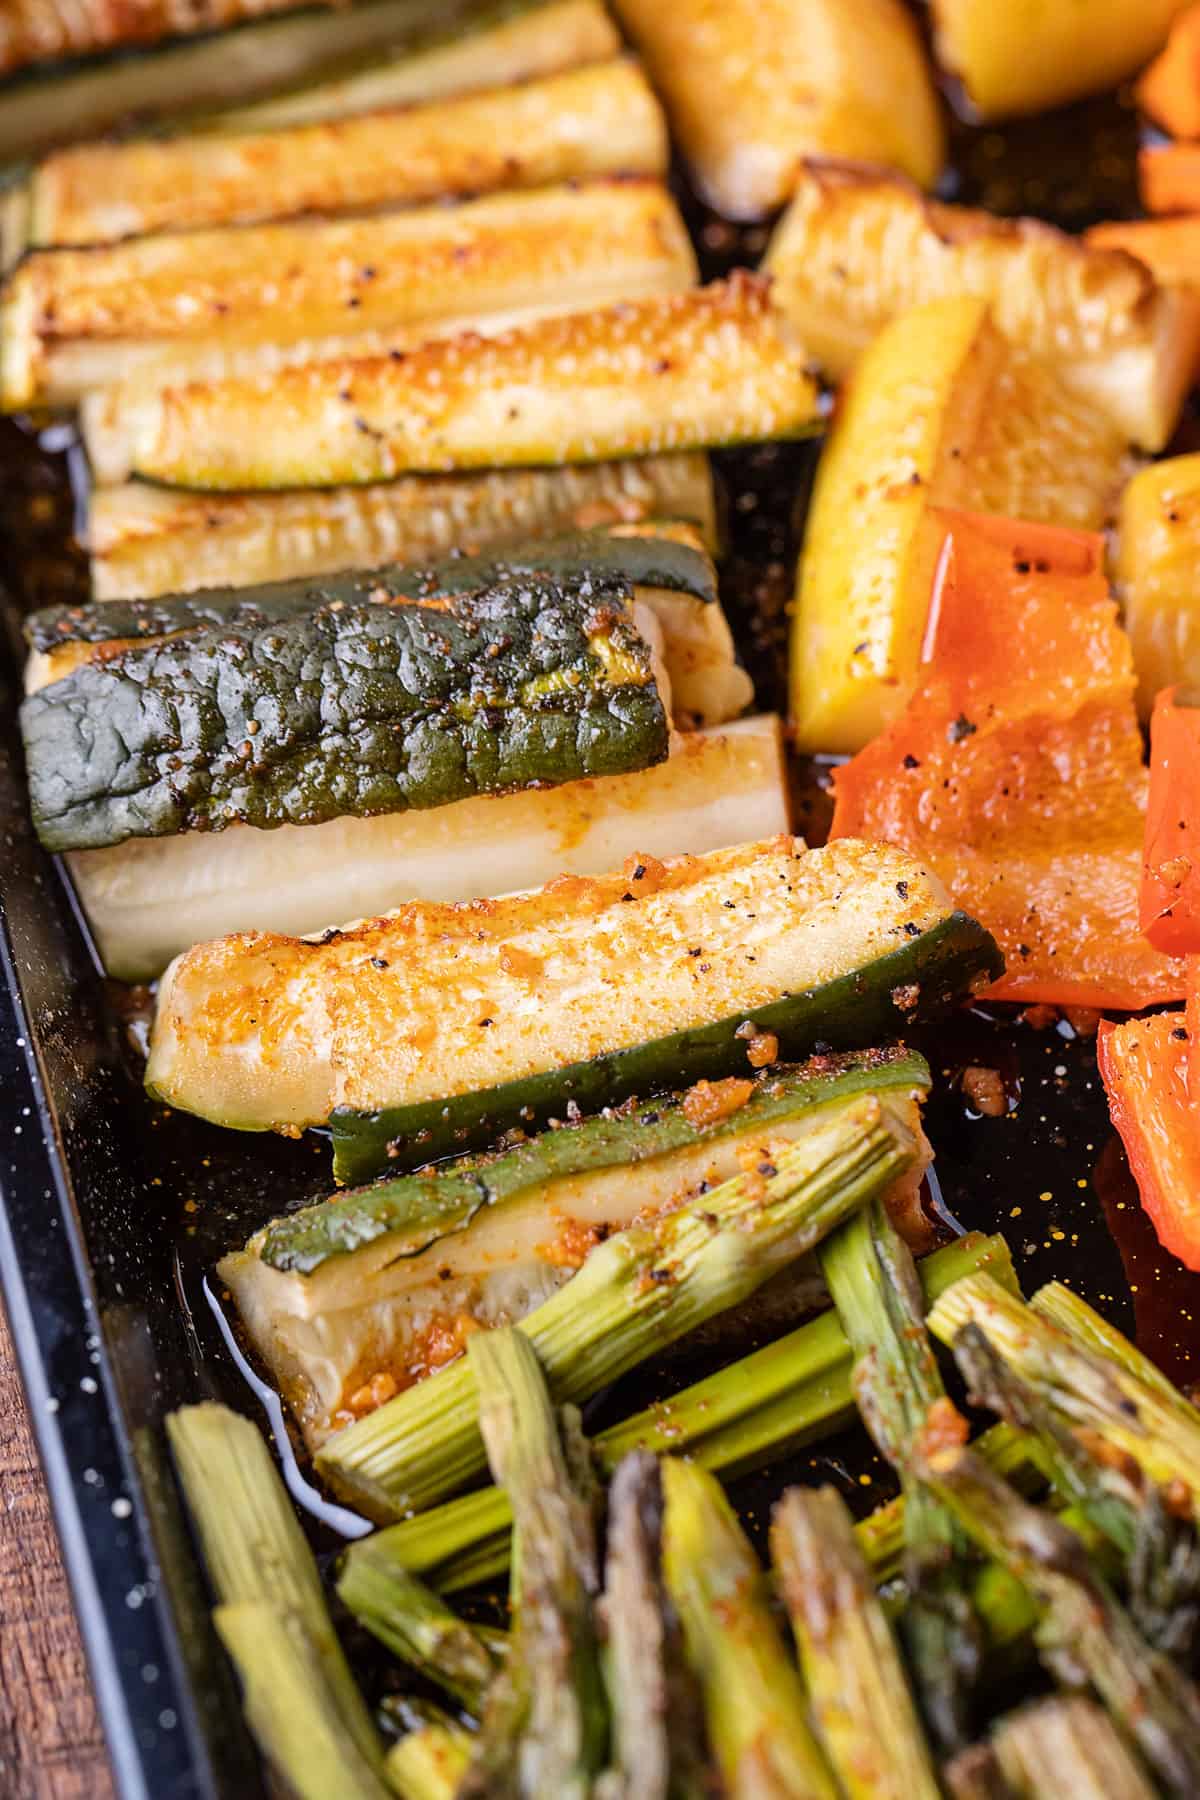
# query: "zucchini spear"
1084,1633
545,1728
272,1613
864,1712
792,1392
599,120
203,305
639,1291
753,1696
873,1280
712,366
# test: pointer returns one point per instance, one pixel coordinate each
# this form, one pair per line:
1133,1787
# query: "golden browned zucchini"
1021,56
718,365
38,30
751,86
940,411
1155,572
151,898
197,306
599,120
856,248
148,540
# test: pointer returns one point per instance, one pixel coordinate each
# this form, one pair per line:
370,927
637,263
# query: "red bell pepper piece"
1170,901
1144,1065
1016,770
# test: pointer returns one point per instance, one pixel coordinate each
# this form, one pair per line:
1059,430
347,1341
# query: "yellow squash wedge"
1022,56
752,86
940,411
857,247
1156,571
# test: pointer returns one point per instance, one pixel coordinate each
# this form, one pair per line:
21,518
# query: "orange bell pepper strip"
1170,248
1143,1064
1016,770
1169,178
1170,897
1169,90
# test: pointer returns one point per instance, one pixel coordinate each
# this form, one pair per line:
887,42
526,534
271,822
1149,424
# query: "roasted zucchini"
151,898
1154,571
1025,55
856,248
718,365
337,703
666,565
320,63
147,540
940,411
599,120
751,86
378,1029
348,1300
206,304
33,31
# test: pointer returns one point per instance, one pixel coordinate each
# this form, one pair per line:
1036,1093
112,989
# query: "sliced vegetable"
1017,767
602,119
149,899
788,1394
1169,90
857,248
1068,1745
38,30
940,411
430,1762
420,1628
205,305
145,540
353,706
835,945
714,366
368,1292
753,1697
1170,897
719,1249
1033,54
1158,542
751,88
457,51
266,1582
1144,1065
1170,248
1169,177
852,1668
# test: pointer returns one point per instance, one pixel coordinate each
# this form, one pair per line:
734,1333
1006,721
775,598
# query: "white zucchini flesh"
379,1313
602,119
857,248
504,47
148,900
680,371
203,305
259,1031
145,541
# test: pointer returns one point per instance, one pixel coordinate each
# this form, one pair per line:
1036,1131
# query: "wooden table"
50,1742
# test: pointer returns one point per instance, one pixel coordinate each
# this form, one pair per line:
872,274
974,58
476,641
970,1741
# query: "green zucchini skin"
346,710
599,556
428,1205
922,978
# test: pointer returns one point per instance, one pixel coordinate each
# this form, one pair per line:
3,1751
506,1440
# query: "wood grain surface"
50,1742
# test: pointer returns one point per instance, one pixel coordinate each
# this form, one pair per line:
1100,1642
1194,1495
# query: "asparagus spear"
544,1732
642,1289
1071,1314
294,1712
753,1696
874,1283
418,1626
258,1558
658,1750
1084,1634
789,1393
430,1762
1067,1745
1118,1415
860,1697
